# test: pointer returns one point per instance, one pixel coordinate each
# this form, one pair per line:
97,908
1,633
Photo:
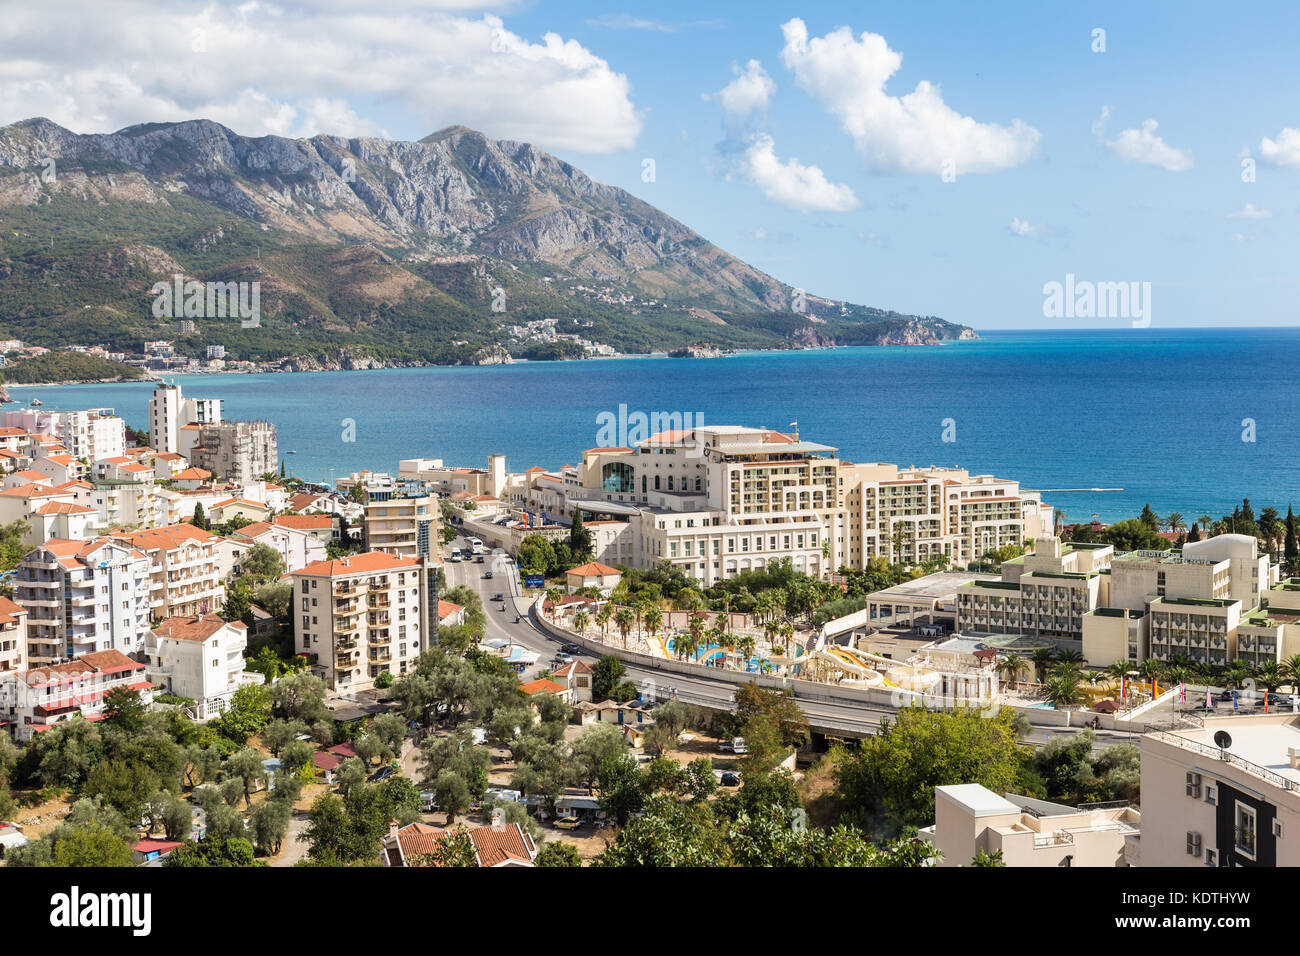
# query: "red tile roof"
367,563
592,569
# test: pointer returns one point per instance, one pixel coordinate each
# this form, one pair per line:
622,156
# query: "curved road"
851,719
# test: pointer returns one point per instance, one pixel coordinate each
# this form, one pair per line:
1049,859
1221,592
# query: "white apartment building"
201,658
83,597
297,546
1236,805
185,578
970,818
170,411
37,699
90,434
359,616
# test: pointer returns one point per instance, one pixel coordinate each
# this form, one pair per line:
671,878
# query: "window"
1211,857
1244,830
1211,795
1277,828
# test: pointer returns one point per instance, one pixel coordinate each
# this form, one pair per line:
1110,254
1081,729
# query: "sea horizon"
1054,408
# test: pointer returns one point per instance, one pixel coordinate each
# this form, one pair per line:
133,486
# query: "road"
851,719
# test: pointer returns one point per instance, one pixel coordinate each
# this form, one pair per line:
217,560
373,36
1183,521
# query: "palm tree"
1291,669
602,618
1063,689
746,644
1042,657
1236,673
580,621
1010,665
1070,656
1174,522
1151,670
1269,675
696,627
1058,520
1116,673
623,620
654,619
639,608
1205,521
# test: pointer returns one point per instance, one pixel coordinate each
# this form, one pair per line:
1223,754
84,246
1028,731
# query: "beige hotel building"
719,500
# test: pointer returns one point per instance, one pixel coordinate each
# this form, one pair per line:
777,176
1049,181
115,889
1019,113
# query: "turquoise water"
1156,412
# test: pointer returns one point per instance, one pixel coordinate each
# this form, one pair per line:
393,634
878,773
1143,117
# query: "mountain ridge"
394,248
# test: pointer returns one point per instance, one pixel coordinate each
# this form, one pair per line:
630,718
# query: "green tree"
124,710
248,713
895,771
557,854
579,539
261,563
606,676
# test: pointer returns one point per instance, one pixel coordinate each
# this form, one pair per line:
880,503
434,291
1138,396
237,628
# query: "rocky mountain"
364,247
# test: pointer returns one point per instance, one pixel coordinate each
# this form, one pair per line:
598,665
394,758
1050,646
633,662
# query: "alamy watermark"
622,429
1083,299
208,300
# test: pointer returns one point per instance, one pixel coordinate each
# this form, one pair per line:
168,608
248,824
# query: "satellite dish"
1223,739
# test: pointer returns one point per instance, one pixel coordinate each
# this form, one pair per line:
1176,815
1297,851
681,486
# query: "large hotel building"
718,500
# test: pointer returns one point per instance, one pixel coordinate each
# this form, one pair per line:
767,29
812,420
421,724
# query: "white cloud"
914,133
1144,146
749,93
1283,151
306,68
1250,211
1021,227
791,183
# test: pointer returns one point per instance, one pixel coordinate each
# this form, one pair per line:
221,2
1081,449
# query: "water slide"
853,662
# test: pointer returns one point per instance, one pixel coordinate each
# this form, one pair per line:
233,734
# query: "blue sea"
1160,413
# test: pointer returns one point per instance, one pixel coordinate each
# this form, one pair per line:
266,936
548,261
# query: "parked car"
730,779
563,658
570,648
428,802
567,823
383,773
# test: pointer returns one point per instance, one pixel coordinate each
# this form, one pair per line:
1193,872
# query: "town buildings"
201,658
400,518
13,636
1231,800
170,412
1210,601
970,819
236,451
36,699
719,500
83,597
358,616
185,576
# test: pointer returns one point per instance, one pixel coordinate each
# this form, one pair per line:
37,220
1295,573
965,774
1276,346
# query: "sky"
947,159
